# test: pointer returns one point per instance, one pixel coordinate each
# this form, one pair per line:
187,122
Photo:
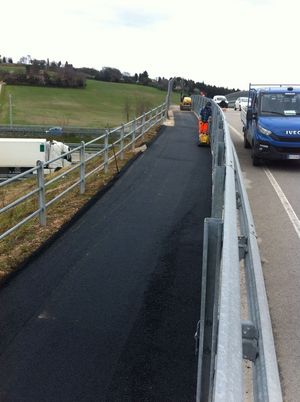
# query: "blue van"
271,122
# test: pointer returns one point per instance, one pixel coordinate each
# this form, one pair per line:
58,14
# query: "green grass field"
100,104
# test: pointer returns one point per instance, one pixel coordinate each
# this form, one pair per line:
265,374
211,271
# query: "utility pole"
10,111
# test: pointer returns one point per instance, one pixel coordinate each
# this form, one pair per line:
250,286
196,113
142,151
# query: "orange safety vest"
203,127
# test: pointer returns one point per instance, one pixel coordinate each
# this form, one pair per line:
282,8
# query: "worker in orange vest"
204,118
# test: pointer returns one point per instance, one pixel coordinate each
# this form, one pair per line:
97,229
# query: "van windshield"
285,104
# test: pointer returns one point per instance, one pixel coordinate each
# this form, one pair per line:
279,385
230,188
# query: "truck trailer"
271,122
20,154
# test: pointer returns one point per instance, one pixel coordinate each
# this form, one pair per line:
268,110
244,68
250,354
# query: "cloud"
134,18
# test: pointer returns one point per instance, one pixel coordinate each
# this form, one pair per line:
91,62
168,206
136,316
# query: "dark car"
54,130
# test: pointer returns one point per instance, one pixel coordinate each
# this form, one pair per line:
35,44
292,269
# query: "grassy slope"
100,104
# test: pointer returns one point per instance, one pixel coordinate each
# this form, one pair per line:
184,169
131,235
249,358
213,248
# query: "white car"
240,102
221,100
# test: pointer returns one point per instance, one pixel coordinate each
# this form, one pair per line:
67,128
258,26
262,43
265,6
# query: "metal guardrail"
108,146
42,130
230,249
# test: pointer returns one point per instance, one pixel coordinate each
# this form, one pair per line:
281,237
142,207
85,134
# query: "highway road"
274,193
108,312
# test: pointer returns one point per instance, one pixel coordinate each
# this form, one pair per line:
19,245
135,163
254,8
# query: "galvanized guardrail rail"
111,145
230,328
42,130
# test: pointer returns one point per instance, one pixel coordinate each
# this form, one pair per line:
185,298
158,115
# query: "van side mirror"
251,115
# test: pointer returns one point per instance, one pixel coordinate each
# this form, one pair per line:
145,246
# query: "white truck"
20,154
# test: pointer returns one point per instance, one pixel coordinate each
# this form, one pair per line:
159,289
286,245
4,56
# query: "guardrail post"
106,144
140,126
143,126
218,191
133,134
160,113
166,106
147,121
122,142
156,116
150,118
206,334
82,168
163,111
42,198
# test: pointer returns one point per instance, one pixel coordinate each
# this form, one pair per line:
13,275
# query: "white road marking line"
285,202
235,130
282,197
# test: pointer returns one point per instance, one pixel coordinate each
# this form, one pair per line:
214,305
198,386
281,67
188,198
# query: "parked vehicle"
240,102
271,122
54,130
20,154
221,101
185,103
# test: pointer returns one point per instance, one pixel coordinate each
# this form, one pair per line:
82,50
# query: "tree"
22,60
110,74
53,66
162,84
144,78
91,73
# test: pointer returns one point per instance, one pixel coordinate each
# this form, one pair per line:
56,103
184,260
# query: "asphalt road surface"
274,192
108,312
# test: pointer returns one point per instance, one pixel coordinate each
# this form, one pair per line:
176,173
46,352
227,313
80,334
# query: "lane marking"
236,131
285,202
282,197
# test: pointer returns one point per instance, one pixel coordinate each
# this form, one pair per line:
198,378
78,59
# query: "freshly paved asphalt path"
108,312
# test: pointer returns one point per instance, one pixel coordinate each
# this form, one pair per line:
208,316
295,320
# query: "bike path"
108,312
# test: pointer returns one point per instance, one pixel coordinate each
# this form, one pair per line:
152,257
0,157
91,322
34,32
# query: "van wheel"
246,142
255,159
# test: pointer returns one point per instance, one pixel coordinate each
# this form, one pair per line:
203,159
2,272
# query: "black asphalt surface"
108,312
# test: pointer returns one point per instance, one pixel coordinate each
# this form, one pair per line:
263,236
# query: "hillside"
100,104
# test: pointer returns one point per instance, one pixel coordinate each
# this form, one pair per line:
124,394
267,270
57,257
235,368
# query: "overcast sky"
221,42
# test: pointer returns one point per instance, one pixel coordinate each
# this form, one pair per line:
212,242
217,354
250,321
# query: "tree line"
56,74
41,73
182,85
